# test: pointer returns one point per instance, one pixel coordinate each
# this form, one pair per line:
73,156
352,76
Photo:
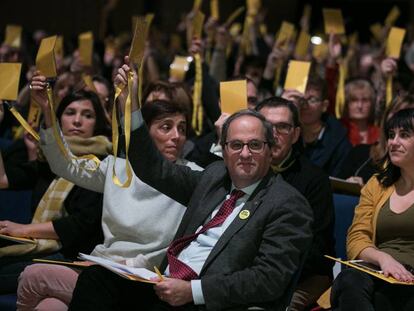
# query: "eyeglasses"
254,146
282,127
312,100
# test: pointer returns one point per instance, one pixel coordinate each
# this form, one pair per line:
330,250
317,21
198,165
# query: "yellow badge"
244,214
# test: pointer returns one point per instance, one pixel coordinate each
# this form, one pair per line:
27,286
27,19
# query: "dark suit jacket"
255,259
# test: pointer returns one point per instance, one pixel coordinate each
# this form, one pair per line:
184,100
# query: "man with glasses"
313,184
324,138
241,241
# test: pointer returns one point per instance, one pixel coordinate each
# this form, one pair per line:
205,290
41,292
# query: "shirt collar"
249,189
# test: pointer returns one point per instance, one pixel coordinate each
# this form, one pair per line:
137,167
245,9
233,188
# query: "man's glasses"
309,101
255,146
282,128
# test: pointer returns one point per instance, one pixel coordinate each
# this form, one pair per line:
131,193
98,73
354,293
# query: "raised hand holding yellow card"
13,36
394,42
233,96
45,59
9,80
297,76
86,48
334,23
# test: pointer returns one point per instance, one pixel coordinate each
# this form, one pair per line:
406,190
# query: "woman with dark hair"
138,221
65,214
382,232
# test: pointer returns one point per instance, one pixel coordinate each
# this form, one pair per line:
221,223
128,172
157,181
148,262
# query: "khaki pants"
308,291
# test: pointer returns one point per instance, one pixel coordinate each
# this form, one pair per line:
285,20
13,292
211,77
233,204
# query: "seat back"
344,213
16,206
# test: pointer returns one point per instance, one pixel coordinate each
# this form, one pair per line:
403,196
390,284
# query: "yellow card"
134,20
284,34
136,53
198,22
45,59
297,76
233,96
13,36
253,7
334,22
87,79
233,16
59,46
353,39
302,45
9,80
307,11
197,5
320,51
376,30
214,9
392,16
86,47
235,29
33,117
178,68
394,42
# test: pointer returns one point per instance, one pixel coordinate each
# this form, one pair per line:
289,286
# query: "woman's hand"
391,267
121,81
13,229
388,66
38,87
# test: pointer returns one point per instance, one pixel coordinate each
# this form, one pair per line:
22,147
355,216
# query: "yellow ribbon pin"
244,214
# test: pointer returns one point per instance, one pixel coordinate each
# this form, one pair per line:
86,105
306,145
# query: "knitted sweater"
138,222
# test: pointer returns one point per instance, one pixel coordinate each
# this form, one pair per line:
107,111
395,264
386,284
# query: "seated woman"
362,160
138,221
382,232
67,218
359,114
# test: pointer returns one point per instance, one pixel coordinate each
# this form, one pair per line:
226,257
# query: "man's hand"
219,124
175,292
294,96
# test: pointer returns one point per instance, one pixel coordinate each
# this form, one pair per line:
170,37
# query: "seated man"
314,185
242,239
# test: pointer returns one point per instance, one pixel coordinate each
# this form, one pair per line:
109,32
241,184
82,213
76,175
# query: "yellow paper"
214,9
392,16
87,79
353,39
376,30
284,35
33,117
253,7
320,51
9,80
233,16
233,96
197,5
178,68
198,22
86,48
307,11
394,42
235,29
59,47
297,76
13,36
334,22
45,59
302,45
136,53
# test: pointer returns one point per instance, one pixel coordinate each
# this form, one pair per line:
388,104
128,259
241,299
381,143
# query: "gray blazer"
255,260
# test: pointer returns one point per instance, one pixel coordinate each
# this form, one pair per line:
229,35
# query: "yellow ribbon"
58,138
278,72
197,119
388,91
340,92
23,123
127,132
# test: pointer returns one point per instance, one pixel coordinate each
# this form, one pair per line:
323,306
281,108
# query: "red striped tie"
180,270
